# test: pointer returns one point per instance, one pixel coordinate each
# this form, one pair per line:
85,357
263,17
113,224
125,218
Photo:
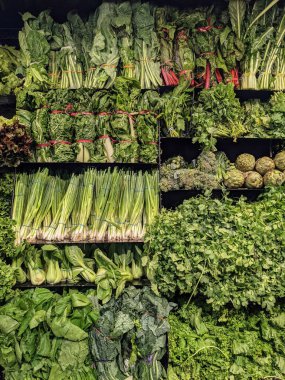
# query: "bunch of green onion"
98,205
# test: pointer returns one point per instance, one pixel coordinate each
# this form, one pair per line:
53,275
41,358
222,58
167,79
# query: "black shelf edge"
174,198
29,285
7,100
79,165
231,139
69,242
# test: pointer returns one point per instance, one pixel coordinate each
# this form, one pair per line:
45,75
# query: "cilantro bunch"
230,253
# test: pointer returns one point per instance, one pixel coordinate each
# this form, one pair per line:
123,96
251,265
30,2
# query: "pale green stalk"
134,228
34,201
19,202
80,232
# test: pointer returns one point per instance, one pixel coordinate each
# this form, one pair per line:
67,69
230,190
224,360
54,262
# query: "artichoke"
245,162
274,177
264,164
253,180
234,179
279,160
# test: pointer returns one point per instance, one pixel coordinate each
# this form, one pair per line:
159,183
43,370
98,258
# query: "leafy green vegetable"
230,253
227,345
129,339
44,335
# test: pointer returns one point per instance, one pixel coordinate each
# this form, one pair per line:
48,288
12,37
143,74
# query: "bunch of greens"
9,61
61,127
122,23
126,96
15,143
103,104
175,106
129,339
124,265
104,55
217,113
257,119
277,114
230,253
44,335
35,51
147,127
146,46
41,136
166,32
6,191
84,121
228,345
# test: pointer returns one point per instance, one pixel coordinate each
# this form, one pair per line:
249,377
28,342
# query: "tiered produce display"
120,114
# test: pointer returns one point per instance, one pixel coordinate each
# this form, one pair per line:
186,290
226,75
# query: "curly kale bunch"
6,190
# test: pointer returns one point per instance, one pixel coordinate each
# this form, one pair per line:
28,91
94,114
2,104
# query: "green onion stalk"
108,216
103,181
80,231
151,198
20,198
122,209
35,198
47,199
134,221
56,232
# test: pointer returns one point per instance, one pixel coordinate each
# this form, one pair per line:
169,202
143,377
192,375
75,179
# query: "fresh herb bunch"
217,113
45,335
230,253
131,336
228,345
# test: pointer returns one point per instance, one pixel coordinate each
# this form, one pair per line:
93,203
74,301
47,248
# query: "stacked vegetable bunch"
45,335
206,172
232,344
93,126
96,205
226,257
77,53
129,339
9,61
218,113
255,174
52,265
15,142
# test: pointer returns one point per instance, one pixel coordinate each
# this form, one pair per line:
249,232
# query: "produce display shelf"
29,285
65,242
75,166
172,199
